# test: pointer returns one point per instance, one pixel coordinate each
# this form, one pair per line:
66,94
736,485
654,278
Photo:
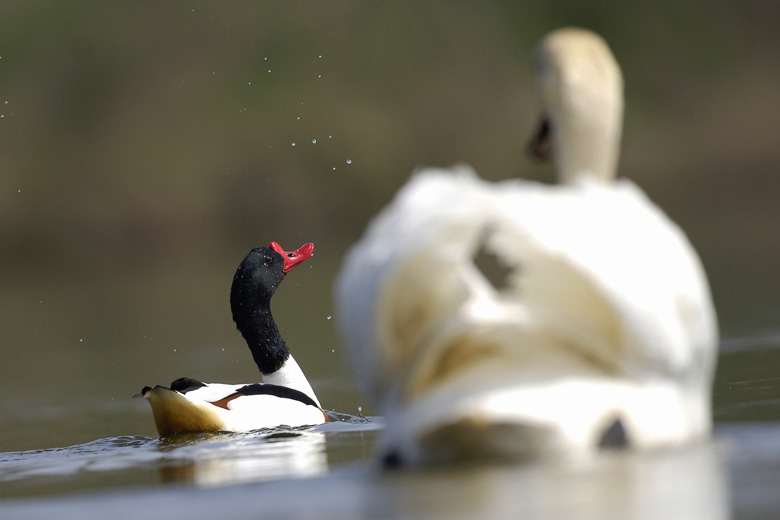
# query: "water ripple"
204,459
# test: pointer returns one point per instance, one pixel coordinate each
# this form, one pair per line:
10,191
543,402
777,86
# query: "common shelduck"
284,398
518,319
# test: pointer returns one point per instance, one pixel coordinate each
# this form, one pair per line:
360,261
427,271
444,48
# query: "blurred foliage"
146,146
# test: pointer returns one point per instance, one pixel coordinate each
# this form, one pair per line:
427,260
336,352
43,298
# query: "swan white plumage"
602,331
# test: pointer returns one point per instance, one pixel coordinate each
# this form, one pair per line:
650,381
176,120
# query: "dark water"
203,460
330,471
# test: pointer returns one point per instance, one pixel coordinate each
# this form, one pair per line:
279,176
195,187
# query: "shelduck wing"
260,405
279,391
186,384
209,407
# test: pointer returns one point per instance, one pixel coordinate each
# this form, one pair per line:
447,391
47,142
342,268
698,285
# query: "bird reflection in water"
218,459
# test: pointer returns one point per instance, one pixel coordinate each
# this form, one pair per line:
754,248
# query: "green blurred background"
145,147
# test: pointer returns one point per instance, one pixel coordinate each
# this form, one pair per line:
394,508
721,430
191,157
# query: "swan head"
580,92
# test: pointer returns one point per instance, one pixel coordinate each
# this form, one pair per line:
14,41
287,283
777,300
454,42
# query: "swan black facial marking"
541,142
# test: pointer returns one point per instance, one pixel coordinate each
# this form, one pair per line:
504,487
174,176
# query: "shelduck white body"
284,398
602,331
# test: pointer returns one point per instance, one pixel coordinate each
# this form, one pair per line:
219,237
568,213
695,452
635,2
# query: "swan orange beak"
293,258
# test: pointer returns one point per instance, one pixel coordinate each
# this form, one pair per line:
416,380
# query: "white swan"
602,331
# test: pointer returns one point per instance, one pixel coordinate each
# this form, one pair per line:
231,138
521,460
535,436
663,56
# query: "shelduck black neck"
254,284
269,349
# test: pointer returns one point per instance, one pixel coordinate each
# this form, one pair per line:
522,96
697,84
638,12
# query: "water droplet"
298,118
330,137
250,82
313,141
265,59
81,340
320,56
349,161
333,350
174,350
269,71
319,75
334,168
18,191
329,317
360,411
293,144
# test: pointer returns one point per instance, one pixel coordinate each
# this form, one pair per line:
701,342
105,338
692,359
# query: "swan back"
597,268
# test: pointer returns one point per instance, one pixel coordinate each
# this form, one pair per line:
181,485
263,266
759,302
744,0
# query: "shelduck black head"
254,283
263,269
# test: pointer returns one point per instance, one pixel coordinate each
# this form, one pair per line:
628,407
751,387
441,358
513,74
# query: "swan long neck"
587,142
581,90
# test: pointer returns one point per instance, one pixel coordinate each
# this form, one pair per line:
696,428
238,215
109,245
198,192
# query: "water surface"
330,470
